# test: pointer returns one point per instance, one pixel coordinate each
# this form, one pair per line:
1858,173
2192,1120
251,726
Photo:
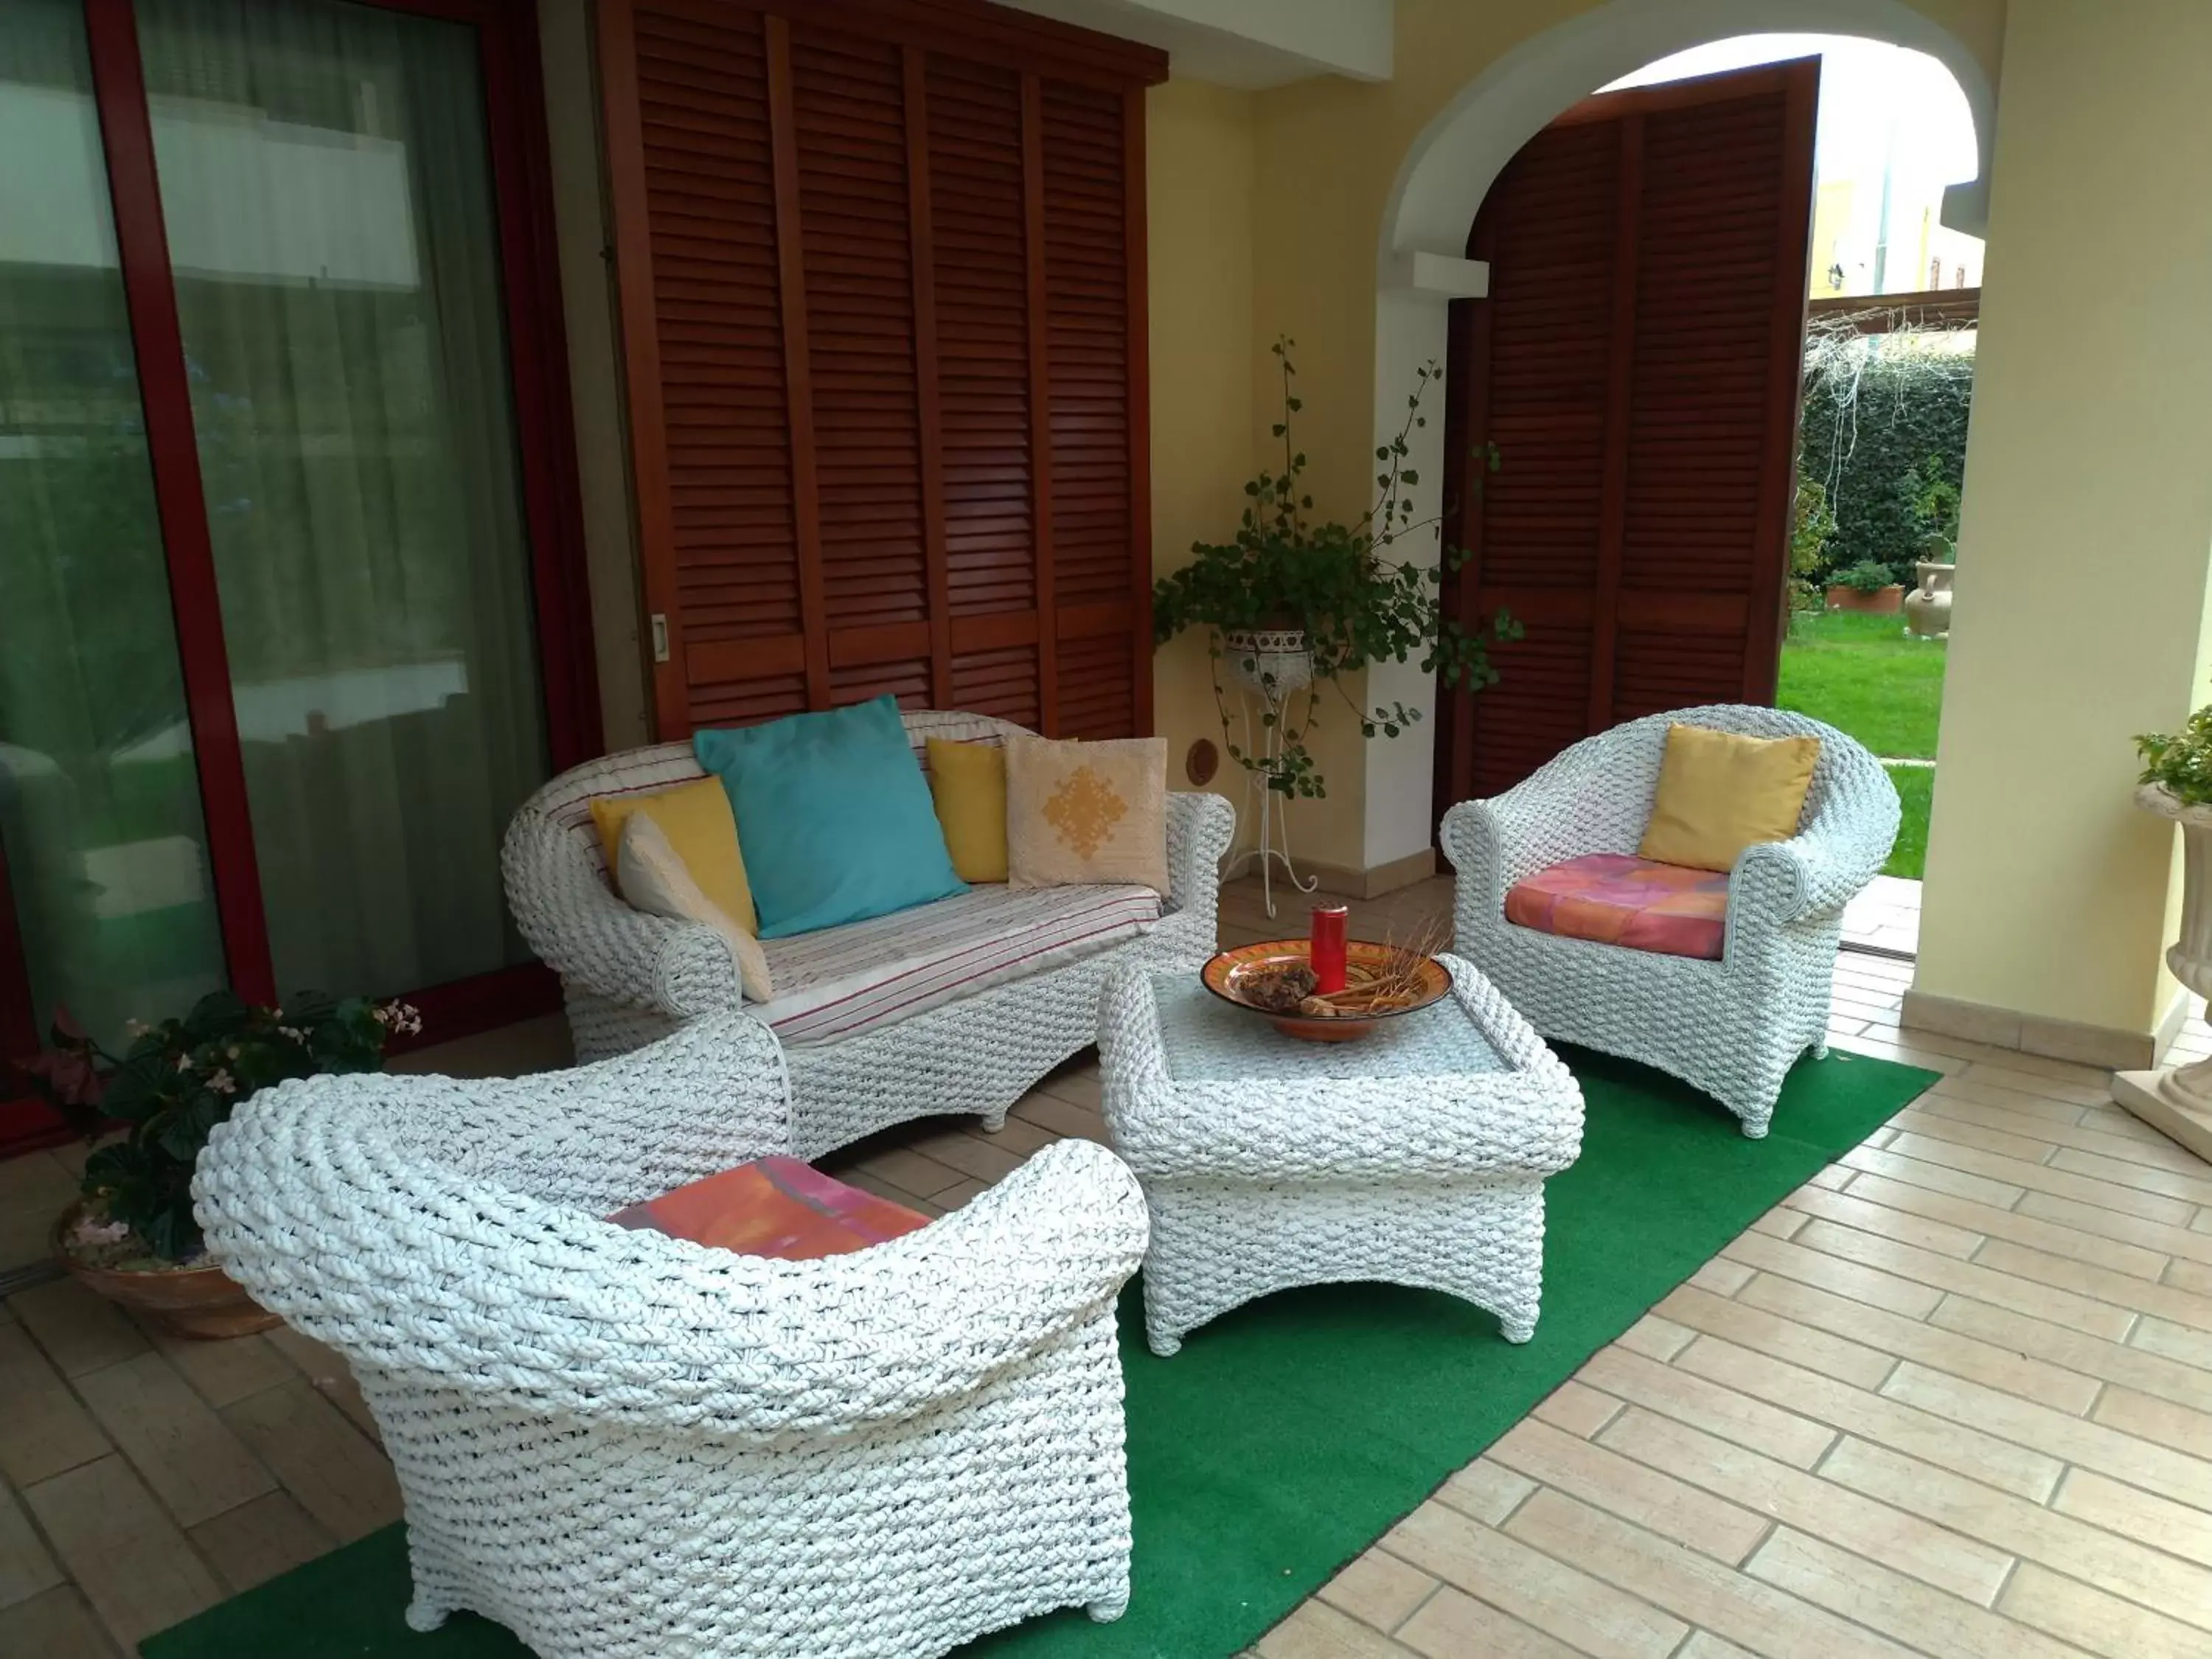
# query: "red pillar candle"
1326,951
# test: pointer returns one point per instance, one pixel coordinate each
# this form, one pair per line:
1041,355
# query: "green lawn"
1865,676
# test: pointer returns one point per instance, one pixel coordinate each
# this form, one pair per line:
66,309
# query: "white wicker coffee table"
1415,1155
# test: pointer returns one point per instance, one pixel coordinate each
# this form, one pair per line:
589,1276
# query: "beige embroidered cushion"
1084,814
651,877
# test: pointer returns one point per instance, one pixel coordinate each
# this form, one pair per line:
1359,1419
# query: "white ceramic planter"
1274,662
1928,607
2177,1100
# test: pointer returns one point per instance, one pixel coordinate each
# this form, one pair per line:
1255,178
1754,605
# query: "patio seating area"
1948,1398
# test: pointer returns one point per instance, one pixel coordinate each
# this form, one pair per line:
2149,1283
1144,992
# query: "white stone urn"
1928,607
2177,1100
1272,661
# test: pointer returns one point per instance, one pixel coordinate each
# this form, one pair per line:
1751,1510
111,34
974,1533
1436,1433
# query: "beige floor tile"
55,1624
2128,1197
2137,1368
333,1378
1377,1588
1990,1278
2020,1226
2177,1342
1062,1117
1317,1631
1451,1625
1813,1504
1017,1135
2195,1277
2008,1143
1704,1644
1695,1588
1835,1177
1486,1492
34,1188
1651,1497
959,1192
1576,1408
2110,1133
1728,1413
1537,1588
128,1557
1996,1361
2053,1434
1752,1326
1852,1209
26,1567
884,1189
173,1439
2182,1529
1914,1052
1079,1086
2157,1237
2034,1074
1826,1270
2072,1612
1936,1178
970,1156
1781,1222
226,1369
1889,1418
2162,1421
2006,1523
2123,1292
2135,1177
254,1542
1661,1339
1721,1277
79,1331
908,1170
1997,1106
323,1460
1912,1613
43,1429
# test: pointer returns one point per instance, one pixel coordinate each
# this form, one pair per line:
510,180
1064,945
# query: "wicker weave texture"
1428,1175
1732,1028
629,979
621,1444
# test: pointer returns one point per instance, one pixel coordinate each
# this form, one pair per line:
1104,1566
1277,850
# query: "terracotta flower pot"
201,1302
1883,602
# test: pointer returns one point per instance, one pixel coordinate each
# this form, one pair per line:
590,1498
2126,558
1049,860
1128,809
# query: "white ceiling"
1244,43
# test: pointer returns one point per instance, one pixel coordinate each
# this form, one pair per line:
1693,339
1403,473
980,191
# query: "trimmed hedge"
1877,409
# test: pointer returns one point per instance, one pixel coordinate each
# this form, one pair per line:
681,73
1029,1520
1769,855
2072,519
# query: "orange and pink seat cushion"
773,1206
1617,899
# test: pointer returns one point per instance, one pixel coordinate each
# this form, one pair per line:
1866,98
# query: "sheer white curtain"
100,806
327,190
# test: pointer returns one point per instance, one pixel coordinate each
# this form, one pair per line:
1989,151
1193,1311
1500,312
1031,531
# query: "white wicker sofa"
630,978
623,1445
1731,1027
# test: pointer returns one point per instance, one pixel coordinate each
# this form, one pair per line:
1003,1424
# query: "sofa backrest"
566,801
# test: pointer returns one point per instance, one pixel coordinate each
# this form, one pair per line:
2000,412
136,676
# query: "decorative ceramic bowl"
1230,976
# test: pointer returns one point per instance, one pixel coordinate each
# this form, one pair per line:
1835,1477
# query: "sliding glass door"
284,571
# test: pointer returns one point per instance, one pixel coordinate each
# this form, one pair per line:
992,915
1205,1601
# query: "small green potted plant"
1291,606
131,1235
1869,587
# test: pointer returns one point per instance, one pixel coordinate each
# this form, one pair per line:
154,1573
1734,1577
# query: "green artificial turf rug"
1290,1434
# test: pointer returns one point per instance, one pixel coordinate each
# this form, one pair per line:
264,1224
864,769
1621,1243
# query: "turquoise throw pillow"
833,814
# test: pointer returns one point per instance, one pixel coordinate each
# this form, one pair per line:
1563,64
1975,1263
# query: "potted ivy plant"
1291,605
1869,587
2176,783
131,1236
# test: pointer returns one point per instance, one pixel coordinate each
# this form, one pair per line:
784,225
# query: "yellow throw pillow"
654,879
695,816
1080,814
968,781
1720,792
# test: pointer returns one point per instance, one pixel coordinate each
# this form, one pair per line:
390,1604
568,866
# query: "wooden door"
1636,366
882,272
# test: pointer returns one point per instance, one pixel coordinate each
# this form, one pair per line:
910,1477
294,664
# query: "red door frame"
506,42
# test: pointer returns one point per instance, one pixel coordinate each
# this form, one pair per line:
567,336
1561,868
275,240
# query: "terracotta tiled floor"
1953,1397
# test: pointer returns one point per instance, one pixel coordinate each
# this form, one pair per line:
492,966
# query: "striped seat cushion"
843,980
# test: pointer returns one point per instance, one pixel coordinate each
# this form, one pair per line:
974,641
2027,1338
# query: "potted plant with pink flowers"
130,1235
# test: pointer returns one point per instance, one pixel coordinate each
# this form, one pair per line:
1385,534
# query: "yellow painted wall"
1200,208
2080,614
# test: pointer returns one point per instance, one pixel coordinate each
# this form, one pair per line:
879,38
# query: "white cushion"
651,877
843,980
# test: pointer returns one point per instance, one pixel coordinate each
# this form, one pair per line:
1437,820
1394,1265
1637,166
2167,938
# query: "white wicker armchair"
630,978
1732,1028
620,1444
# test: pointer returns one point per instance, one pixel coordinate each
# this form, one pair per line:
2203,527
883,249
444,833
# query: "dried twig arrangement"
1395,981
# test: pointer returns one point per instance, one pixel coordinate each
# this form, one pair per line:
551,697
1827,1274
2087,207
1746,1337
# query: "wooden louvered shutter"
882,285
1636,367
